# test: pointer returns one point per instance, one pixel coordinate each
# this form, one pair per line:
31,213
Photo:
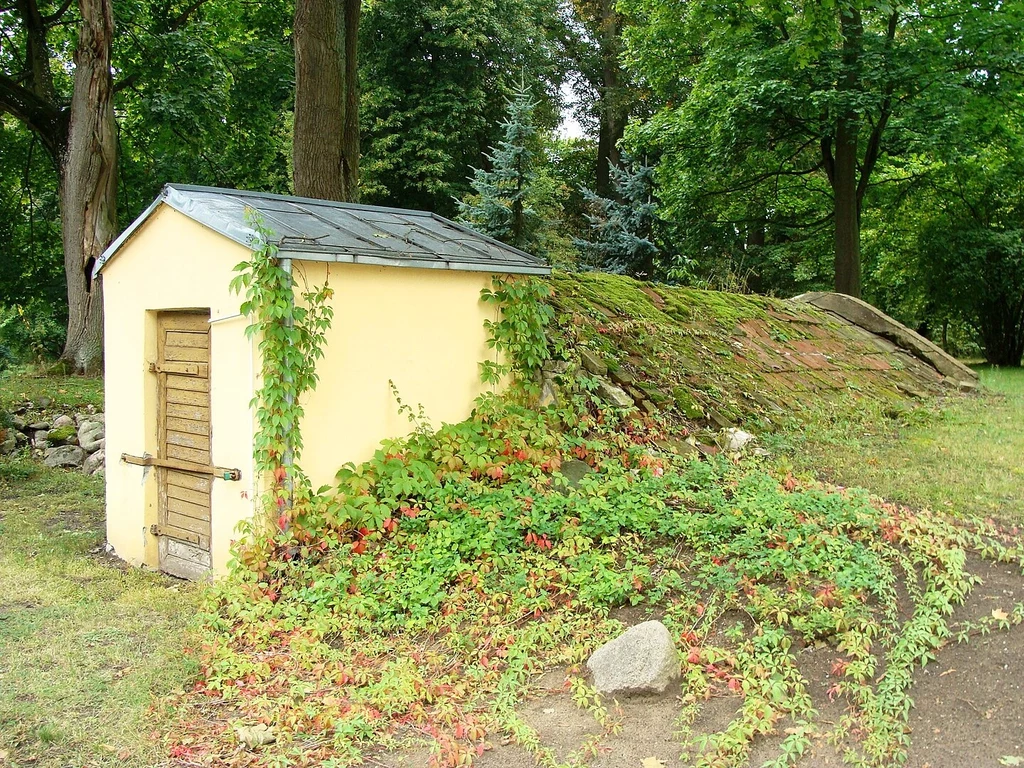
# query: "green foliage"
753,97
504,200
291,341
436,77
518,337
32,333
623,228
454,564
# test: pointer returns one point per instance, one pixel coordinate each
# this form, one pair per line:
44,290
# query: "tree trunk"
614,108
88,184
847,216
350,143
844,177
326,133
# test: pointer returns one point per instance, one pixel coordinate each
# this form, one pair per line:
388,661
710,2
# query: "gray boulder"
9,441
89,435
39,426
593,363
614,395
575,470
63,421
95,463
642,660
69,456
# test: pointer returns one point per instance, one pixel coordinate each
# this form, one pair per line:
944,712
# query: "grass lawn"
85,645
965,455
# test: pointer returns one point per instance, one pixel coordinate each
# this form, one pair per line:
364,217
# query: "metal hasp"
223,473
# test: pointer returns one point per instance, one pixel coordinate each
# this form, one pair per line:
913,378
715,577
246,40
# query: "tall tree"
437,76
610,92
763,100
326,137
79,135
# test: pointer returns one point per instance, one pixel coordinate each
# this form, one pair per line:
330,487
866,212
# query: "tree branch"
46,120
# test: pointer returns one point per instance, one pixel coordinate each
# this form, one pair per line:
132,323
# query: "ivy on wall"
291,337
518,336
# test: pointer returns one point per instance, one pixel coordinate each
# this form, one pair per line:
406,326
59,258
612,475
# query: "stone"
593,363
63,421
8,441
681,447
623,378
575,470
648,407
44,402
38,426
613,394
70,456
733,439
63,435
642,660
719,420
256,735
967,386
95,463
548,393
555,367
19,423
39,437
89,435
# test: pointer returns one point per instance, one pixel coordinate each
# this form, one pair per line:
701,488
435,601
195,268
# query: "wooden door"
183,368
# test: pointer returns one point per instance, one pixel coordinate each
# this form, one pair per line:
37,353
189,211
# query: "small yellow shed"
181,373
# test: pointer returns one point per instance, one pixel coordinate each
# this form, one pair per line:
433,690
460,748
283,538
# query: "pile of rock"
71,442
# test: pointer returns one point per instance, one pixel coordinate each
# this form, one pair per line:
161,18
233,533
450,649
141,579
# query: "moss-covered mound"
717,359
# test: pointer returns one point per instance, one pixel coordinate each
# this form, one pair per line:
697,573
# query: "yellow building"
181,373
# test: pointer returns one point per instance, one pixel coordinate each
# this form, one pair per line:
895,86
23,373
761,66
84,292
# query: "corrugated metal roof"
322,230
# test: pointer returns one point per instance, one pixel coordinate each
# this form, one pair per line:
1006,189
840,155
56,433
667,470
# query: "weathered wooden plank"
200,528
186,397
187,454
188,425
185,411
200,339
192,530
188,551
185,321
187,508
189,481
201,442
199,498
189,383
186,354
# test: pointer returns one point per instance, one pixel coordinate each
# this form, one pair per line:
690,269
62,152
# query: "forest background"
776,146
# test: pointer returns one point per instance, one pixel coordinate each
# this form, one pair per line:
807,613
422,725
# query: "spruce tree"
502,203
623,227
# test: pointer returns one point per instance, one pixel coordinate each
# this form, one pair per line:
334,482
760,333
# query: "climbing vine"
519,335
291,340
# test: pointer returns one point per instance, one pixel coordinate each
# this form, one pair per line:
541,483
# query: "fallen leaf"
652,762
1000,615
949,671
1011,760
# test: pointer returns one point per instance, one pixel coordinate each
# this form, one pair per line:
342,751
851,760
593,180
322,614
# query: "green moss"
687,403
62,434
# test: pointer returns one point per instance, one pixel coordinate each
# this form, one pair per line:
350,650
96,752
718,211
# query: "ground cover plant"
455,564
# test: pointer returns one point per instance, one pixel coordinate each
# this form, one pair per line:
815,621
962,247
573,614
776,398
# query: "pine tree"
623,227
502,203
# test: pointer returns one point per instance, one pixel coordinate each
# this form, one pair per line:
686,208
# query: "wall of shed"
421,328
173,263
